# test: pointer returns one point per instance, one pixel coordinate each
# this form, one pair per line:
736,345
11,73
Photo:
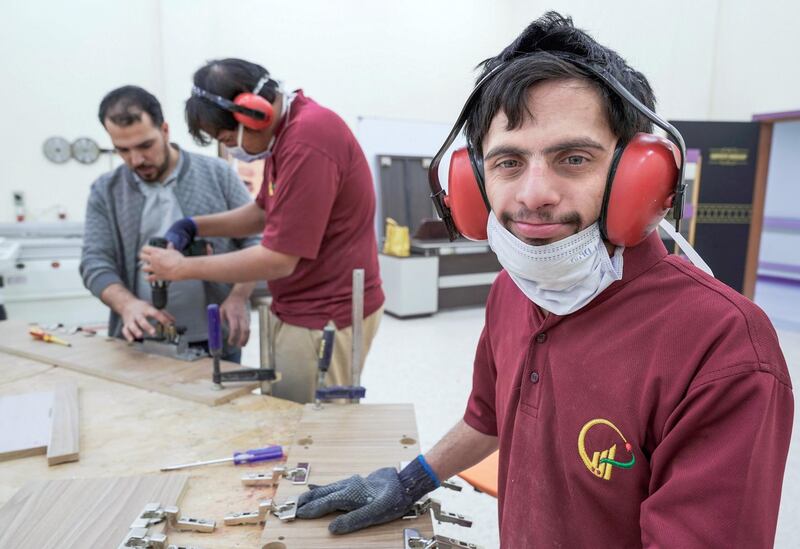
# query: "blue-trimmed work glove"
181,233
383,496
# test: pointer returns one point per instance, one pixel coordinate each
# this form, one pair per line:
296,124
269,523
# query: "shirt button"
534,377
541,338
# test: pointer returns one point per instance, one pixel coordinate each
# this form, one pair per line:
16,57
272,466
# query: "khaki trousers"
297,354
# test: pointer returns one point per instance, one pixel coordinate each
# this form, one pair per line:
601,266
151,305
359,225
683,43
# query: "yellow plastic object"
483,476
397,241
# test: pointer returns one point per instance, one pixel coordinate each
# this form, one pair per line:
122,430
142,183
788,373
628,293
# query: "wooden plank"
339,441
65,514
64,444
24,425
115,360
129,431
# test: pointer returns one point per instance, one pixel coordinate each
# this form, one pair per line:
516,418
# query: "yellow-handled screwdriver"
41,335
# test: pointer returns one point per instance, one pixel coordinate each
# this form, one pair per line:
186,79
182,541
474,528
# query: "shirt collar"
299,99
637,260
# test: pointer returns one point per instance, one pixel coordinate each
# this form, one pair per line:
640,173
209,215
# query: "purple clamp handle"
214,329
258,454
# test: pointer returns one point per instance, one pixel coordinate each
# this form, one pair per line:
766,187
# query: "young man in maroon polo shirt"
635,400
315,210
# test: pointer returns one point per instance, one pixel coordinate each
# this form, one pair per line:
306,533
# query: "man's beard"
160,171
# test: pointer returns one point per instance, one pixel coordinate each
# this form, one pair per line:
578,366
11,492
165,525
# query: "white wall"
672,43
372,58
362,58
58,60
757,69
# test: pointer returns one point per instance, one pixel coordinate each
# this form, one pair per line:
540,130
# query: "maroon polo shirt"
320,206
659,415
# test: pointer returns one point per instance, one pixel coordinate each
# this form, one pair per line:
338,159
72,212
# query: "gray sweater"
111,244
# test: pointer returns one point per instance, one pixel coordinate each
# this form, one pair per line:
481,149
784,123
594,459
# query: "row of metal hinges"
285,511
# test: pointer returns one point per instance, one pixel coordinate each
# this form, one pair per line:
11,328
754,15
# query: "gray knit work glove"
382,497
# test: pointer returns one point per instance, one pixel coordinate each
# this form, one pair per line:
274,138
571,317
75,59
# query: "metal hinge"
286,512
429,504
154,513
412,539
296,475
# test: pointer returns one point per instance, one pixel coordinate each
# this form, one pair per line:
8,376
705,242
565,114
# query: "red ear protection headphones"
249,109
645,178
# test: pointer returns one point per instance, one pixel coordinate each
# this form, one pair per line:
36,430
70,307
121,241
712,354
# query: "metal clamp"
413,540
296,475
429,504
154,513
286,512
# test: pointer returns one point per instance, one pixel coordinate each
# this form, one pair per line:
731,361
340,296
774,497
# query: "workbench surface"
126,430
129,431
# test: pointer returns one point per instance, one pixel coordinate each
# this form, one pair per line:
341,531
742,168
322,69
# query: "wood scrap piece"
64,444
76,514
113,359
338,441
24,424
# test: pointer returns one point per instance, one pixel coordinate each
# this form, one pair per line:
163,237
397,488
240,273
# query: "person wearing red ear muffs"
315,213
635,400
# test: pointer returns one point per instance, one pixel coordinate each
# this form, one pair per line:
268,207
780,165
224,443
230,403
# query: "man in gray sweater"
158,184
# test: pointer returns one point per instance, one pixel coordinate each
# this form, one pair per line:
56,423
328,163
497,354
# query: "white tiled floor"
428,362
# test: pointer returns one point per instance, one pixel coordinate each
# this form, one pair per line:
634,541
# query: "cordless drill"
158,288
158,294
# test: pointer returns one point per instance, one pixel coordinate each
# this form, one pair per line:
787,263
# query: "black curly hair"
526,61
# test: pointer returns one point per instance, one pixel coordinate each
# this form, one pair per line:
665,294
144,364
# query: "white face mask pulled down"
560,277
241,155
565,276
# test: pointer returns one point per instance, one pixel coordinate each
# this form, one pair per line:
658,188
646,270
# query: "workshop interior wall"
411,61
756,69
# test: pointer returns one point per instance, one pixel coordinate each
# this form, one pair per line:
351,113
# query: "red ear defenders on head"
249,109
645,178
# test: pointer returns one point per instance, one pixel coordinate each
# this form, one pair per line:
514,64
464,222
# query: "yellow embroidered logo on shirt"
271,188
602,461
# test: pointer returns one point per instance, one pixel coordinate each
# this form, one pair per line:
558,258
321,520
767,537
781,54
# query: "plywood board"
24,424
115,360
14,368
339,441
64,443
76,514
129,431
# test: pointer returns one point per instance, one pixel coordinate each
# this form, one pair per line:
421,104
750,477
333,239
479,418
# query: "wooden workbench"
128,431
